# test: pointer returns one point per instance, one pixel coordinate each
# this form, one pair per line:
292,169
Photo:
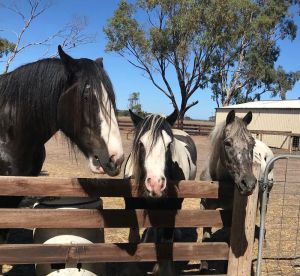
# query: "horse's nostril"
117,160
163,183
111,159
148,180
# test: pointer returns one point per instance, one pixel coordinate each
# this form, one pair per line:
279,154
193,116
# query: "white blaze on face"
110,132
155,159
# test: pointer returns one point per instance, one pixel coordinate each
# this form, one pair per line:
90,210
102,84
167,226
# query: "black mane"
156,124
31,92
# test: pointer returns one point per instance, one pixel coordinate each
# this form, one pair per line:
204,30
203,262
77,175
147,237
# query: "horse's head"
87,113
237,151
151,152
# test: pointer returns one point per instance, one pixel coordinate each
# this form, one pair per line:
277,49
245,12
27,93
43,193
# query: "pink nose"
156,185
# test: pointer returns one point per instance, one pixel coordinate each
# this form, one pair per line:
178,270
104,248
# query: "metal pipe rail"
264,186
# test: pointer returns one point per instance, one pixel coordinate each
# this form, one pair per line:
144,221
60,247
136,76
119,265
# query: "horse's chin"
95,169
244,192
154,195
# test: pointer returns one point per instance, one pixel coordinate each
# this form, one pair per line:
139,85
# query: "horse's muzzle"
247,185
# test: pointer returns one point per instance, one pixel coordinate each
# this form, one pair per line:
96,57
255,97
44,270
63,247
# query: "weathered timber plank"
242,231
122,252
88,218
84,187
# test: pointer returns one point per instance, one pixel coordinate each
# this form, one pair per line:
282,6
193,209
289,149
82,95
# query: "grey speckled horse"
233,150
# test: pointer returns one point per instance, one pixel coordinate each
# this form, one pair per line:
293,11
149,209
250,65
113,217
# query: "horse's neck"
181,156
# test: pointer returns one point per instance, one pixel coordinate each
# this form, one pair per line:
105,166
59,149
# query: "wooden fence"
239,253
205,129
192,129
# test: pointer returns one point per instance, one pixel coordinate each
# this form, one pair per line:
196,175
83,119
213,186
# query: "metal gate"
279,236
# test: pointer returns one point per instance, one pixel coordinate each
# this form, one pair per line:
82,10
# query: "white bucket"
70,236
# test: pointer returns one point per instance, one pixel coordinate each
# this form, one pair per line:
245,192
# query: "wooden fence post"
242,231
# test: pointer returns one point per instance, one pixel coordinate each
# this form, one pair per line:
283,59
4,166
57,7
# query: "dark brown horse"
38,99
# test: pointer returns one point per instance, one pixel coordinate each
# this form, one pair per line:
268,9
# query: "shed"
269,119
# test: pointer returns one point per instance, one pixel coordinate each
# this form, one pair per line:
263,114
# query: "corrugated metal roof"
266,104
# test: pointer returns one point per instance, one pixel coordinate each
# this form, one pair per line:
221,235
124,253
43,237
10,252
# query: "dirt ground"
282,246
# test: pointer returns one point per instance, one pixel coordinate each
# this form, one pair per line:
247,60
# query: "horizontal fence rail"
89,218
118,218
120,252
193,129
95,187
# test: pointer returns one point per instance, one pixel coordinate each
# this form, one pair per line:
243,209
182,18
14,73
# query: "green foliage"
134,103
230,46
244,64
5,47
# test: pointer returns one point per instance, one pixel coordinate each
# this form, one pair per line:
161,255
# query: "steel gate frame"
264,187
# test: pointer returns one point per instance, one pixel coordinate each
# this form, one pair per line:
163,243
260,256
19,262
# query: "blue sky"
126,79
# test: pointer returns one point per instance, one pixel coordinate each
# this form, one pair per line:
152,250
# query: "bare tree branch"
71,35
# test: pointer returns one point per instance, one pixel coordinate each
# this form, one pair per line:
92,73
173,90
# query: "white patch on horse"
155,160
179,132
180,154
262,154
109,127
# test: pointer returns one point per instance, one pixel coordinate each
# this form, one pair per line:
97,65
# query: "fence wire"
279,240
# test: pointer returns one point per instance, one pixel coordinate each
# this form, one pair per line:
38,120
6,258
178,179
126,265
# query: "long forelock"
154,125
238,129
106,82
96,77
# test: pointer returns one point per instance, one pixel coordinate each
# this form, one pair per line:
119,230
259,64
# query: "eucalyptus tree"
228,46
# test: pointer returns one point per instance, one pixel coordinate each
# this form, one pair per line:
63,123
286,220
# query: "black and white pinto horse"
75,96
233,151
159,154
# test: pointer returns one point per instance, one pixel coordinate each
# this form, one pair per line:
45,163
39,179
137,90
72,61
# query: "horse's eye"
88,86
228,143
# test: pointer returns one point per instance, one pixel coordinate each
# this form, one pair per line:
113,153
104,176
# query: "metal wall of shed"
269,119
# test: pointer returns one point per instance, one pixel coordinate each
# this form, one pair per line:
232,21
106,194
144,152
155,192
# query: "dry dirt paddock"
282,244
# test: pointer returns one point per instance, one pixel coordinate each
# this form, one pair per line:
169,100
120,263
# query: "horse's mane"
30,89
155,124
31,92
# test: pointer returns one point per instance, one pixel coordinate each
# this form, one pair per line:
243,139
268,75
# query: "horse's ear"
99,61
230,117
171,119
67,61
248,118
136,119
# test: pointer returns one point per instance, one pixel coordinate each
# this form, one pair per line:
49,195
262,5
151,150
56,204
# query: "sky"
125,78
